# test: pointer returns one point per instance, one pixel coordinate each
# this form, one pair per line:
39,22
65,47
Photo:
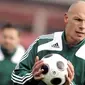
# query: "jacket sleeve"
22,75
72,83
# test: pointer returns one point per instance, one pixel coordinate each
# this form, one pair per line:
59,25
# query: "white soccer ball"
55,69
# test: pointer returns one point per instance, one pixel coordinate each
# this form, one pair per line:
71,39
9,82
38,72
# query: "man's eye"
78,19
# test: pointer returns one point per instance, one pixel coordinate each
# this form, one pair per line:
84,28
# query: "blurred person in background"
10,52
70,44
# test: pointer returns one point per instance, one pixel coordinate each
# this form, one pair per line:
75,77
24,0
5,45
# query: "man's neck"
71,41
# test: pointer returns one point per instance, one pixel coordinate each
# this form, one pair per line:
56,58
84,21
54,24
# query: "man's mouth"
80,32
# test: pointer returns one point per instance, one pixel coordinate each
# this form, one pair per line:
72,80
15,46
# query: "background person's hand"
37,71
70,76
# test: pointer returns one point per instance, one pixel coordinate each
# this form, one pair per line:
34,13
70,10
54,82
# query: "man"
70,44
10,53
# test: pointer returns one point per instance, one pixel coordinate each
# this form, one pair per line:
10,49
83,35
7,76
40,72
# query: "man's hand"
70,76
37,71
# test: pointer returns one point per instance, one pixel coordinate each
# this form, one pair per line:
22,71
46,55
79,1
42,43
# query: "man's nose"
82,26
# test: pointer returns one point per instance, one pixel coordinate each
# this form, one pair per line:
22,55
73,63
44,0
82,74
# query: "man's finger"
37,63
38,73
71,66
69,72
39,77
67,78
36,59
37,67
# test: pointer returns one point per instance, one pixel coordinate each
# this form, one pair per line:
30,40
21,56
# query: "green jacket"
6,67
46,44
7,63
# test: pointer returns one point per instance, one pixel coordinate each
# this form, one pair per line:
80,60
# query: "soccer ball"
55,69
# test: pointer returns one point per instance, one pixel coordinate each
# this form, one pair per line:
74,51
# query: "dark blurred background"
34,17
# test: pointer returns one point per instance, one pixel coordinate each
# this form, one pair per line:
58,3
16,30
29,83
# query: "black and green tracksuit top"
46,44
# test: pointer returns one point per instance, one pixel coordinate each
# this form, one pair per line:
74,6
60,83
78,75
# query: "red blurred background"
34,17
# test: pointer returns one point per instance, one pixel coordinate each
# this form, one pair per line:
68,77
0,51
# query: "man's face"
75,24
10,39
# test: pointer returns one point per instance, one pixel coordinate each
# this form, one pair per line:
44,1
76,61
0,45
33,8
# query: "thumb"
36,59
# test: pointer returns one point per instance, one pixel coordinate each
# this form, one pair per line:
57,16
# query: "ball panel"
45,68
56,81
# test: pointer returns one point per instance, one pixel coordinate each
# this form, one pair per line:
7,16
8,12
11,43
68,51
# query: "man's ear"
65,18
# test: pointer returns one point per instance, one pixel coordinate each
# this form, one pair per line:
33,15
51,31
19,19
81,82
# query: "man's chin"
79,39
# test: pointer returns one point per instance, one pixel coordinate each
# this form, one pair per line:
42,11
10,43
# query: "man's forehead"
77,7
77,10
80,16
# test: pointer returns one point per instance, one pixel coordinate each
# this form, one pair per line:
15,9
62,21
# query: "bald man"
70,44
